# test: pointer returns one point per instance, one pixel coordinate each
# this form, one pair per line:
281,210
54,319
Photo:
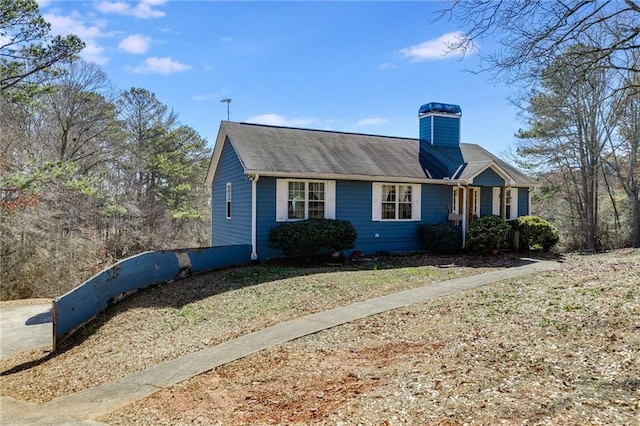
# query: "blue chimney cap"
440,107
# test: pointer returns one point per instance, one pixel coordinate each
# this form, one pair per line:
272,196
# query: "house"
261,176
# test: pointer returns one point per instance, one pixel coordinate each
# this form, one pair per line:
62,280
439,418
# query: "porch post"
465,214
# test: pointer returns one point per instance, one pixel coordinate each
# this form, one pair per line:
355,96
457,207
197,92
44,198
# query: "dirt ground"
559,348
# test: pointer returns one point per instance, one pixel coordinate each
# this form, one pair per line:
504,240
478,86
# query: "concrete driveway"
24,328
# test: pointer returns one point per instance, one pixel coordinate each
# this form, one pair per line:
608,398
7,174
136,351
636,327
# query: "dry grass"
559,348
168,321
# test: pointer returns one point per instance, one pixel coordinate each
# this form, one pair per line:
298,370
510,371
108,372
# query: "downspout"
254,210
464,214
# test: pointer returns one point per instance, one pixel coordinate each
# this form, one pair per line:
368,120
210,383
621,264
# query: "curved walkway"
82,407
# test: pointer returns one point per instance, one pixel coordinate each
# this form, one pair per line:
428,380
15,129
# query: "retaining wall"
83,303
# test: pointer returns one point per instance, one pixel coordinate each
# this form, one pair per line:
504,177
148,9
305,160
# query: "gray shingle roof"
292,151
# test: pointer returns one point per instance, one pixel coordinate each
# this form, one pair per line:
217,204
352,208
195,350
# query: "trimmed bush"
309,237
487,233
536,233
443,238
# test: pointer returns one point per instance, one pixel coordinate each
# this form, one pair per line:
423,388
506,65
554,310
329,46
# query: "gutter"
322,176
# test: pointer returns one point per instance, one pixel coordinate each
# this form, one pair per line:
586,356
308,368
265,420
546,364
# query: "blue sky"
362,67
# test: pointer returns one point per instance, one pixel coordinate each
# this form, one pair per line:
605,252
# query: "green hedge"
536,233
443,238
309,237
487,233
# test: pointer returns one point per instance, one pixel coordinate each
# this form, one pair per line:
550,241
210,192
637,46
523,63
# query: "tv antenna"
227,101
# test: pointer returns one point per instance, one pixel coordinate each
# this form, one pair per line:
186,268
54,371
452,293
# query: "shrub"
487,233
444,238
536,233
309,237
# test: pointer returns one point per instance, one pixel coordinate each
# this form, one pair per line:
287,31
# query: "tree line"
577,65
89,174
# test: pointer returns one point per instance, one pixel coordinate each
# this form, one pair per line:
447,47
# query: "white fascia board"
508,180
439,114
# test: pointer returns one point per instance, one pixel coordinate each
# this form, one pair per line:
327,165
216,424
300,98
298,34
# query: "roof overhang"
322,176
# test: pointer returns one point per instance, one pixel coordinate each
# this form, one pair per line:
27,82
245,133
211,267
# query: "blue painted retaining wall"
83,303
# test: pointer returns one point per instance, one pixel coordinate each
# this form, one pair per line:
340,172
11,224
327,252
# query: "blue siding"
353,203
486,200
436,201
446,130
523,201
425,129
488,178
266,217
236,230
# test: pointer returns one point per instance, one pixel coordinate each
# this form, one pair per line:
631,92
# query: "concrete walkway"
24,328
82,407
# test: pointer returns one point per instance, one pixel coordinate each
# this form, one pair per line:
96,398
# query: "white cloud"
206,97
278,120
64,25
225,39
435,49
371,121
74,24
164,65
387,66
143,10
135,44
93,52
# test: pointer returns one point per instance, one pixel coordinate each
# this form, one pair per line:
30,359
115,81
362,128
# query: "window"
495,202
396,202
305,200
300,199
456,201
228,200
511,203
474,194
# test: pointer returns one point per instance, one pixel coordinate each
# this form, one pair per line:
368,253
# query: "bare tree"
533,32
568,120
82,116
623,154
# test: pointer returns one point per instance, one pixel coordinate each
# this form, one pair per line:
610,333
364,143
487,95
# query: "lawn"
560,347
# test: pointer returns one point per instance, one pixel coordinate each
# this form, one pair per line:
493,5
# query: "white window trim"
455,204
475,201
495,202
513,210
376,202
227,204
282,198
